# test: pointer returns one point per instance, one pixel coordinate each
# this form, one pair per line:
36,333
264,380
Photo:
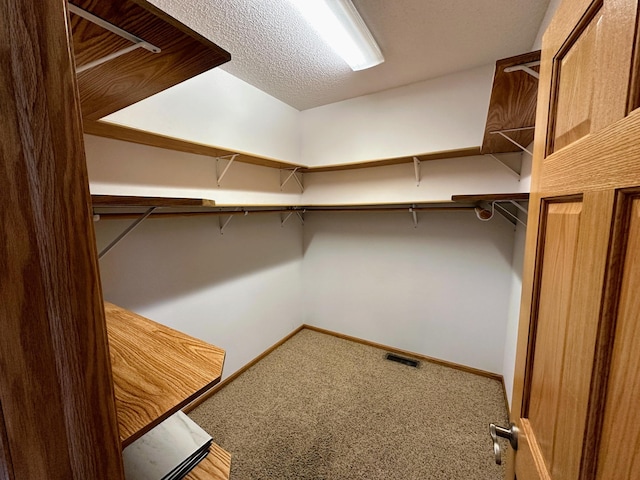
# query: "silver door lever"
510,434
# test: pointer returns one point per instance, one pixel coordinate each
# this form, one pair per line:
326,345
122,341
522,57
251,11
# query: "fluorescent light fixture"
342,28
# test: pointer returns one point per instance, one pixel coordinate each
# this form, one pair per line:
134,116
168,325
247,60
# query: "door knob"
510,434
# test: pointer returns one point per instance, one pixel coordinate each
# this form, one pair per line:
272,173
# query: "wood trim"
215,466
133,135
238,372
128,134
491,197
130,201
444,363
56,389
424,157
504,393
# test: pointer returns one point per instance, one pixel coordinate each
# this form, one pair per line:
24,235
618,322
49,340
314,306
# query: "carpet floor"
321,407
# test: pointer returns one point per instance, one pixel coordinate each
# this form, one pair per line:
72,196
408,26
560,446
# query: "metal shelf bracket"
230,158
414,215
137,41
416,168
486,215
126,231
525,67
503,133
291,175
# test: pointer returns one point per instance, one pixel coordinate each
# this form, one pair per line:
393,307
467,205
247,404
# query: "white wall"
439,180
216,108
441,289
445,113
123,168
240,291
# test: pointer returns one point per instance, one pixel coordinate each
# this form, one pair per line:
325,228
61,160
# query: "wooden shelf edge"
215,466
98,201
142,137
491,197
133,135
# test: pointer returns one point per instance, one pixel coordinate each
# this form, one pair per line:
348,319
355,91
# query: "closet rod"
301,209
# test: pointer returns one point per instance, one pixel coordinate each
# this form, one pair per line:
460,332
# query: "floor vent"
405,361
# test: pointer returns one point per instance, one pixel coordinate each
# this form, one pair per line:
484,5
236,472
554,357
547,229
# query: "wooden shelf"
216,466
512,105
156,370
139,74
127,134
98,201
491,197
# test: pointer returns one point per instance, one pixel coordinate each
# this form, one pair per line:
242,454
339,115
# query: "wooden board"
139,74
512,105
491,197
56,395
156,370
132,201
216,466
128,134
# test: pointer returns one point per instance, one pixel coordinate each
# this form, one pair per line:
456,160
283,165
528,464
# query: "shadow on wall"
172,257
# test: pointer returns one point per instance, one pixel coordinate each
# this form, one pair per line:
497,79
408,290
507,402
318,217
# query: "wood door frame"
57,406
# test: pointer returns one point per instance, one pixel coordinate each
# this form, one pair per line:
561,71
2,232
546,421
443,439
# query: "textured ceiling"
273,49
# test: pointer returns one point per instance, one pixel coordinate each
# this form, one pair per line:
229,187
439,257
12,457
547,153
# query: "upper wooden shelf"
491,197
512,105
139,74
131,201
156,370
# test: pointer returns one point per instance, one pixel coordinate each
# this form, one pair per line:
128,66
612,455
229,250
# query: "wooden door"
577,388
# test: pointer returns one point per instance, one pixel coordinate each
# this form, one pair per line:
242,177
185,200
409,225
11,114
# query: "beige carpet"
320,407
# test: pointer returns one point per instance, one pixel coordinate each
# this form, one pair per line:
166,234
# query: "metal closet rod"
247,211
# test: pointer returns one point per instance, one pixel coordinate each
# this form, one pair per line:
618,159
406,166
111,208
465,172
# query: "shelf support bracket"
525,67
506,214
137,41
416,168
293,175
224,224
230,158
414,215
126,232
301,216
515,173
503,133
284,220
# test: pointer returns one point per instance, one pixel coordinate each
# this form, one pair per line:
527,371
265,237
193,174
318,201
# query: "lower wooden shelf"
216,466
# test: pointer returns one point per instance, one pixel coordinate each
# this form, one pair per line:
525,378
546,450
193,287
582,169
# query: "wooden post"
56,391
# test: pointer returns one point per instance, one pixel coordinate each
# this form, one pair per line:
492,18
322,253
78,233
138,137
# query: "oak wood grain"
156,370
621,431
136,75
592,166
56,392
215,466
512,105
491,197
128,134
132,201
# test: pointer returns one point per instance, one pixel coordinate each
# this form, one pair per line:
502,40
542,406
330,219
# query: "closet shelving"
125,51
156,372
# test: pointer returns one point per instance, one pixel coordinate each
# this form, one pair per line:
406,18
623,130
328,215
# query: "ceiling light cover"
342,28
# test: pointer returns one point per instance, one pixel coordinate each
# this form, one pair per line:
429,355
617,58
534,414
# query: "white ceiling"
273,49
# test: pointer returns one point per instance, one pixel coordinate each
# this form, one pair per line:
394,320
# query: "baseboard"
506,398
445,363
238,372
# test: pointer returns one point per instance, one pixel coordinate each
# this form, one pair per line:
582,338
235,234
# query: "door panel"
620,441
561,223
577,378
